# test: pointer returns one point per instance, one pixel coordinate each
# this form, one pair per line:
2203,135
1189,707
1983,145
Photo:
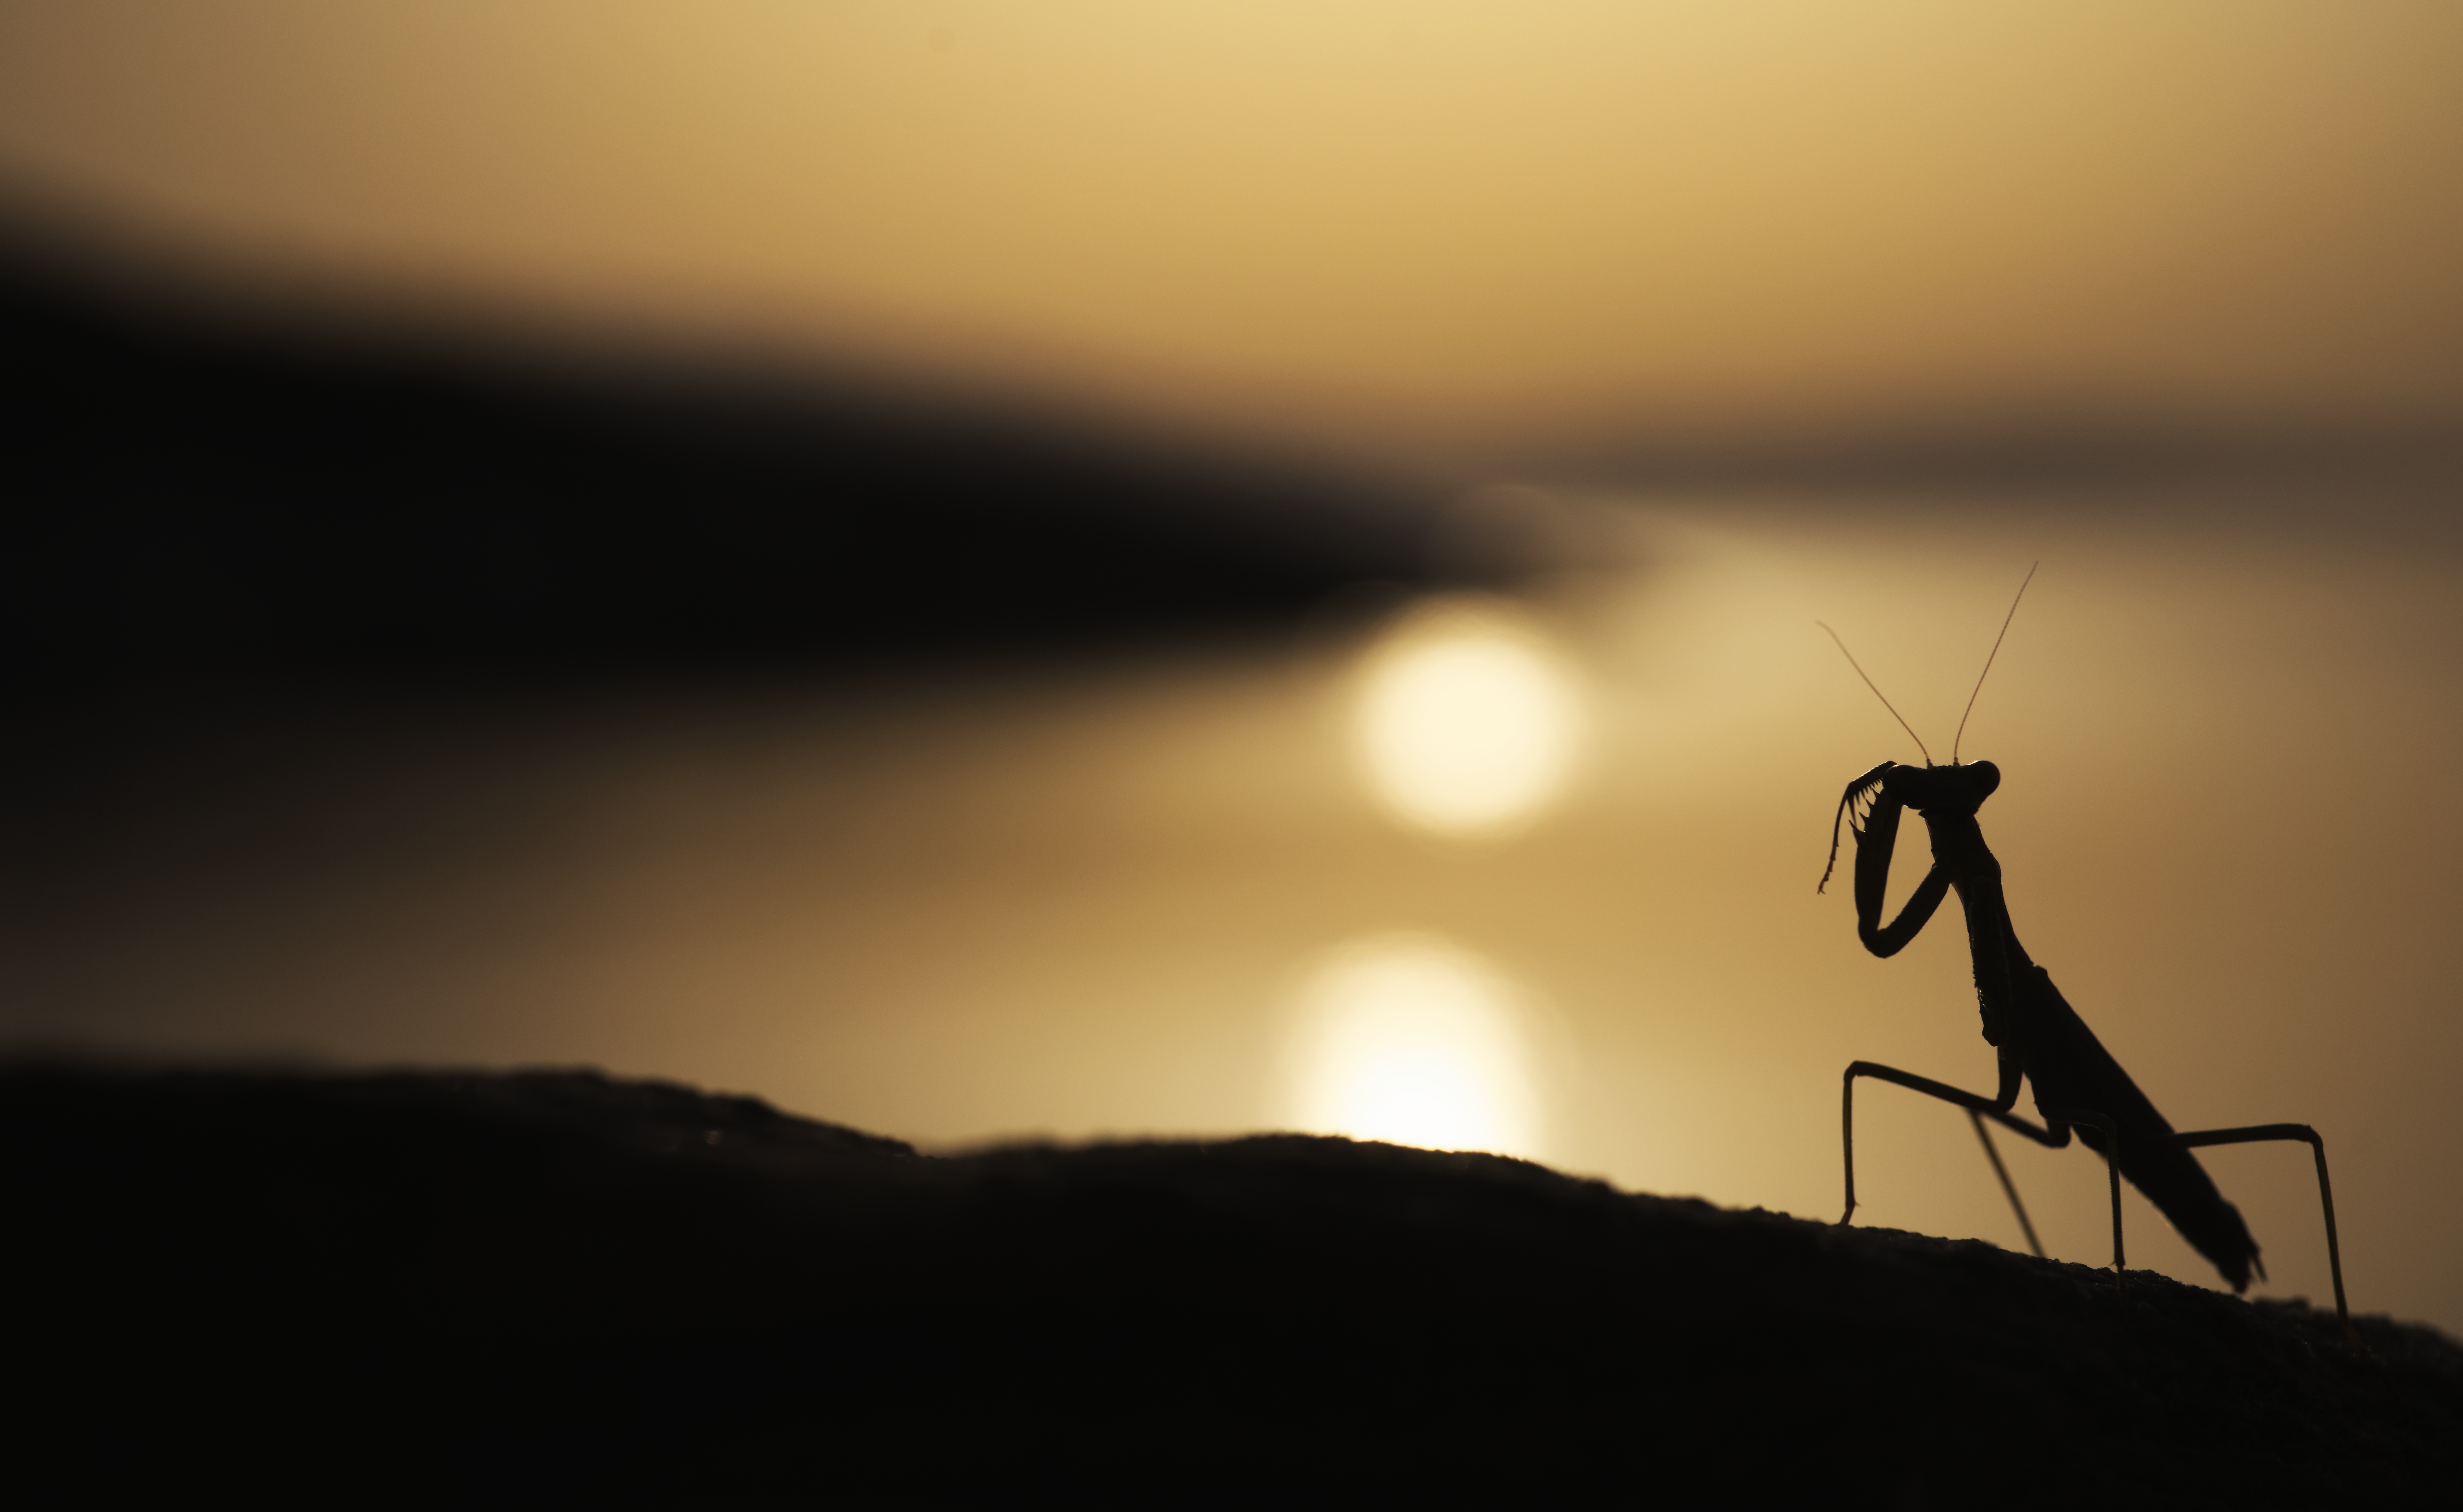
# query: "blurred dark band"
200,495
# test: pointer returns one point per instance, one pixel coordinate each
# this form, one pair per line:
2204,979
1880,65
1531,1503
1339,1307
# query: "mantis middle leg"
2055,1135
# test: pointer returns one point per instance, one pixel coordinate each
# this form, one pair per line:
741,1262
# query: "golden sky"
1395,222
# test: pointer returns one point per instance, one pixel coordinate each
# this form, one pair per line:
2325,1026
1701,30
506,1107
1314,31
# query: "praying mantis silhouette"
2078,1084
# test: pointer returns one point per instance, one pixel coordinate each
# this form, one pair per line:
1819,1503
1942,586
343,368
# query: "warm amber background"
1069,900
1074,903
1363,217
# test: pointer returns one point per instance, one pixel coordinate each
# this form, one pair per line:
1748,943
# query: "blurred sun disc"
1466,721
1409,1039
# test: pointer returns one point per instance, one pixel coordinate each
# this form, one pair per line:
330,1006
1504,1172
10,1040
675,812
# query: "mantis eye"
1985,776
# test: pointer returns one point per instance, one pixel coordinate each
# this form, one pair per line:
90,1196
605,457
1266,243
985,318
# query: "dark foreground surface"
551,1288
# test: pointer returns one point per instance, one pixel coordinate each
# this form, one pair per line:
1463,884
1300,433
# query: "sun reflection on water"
1410,1039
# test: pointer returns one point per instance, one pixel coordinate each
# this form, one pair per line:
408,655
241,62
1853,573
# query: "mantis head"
1954,791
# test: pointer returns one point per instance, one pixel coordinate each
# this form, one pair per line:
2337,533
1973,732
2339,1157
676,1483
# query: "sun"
1466,721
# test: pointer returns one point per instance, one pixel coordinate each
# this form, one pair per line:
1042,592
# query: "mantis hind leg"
2316,1144
2056,1135
1978,1109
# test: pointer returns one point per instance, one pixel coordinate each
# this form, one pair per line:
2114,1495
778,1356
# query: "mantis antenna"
1877,692
1988,663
